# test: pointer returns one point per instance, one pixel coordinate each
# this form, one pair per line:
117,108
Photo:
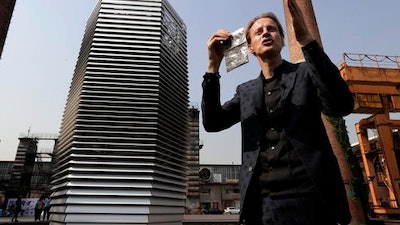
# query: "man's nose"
266,32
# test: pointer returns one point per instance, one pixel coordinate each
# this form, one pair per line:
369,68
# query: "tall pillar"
6,11
296,55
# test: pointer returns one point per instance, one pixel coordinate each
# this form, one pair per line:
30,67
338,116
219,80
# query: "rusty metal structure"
296,55
375,82
6,10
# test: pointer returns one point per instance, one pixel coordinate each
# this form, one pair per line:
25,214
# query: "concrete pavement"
218,219
24,220
223,219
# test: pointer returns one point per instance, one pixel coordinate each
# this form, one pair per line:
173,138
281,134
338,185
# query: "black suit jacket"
307,89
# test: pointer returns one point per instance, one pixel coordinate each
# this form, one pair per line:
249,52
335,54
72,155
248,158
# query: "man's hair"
264,15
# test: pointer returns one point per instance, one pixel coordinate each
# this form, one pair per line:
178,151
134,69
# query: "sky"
45,36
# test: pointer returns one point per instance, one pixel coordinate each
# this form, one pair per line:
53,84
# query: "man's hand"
216,49
301,31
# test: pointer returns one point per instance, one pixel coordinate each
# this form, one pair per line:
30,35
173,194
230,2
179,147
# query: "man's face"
266,41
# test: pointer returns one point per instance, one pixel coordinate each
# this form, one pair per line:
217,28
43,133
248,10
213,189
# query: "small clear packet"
236,50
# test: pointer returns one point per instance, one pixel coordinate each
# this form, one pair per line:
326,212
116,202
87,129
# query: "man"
46,209
17,210
39,208
289,174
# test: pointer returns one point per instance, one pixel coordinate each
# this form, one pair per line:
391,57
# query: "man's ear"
251,50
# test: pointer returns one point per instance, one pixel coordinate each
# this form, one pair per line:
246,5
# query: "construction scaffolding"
28,165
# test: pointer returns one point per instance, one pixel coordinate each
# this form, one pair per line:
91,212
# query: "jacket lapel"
287,82
259,94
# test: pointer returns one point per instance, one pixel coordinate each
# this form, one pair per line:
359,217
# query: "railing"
368,60
40,136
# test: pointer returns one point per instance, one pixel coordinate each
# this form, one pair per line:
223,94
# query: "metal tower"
122,147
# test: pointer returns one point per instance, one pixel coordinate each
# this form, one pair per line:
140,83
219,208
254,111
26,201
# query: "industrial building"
208,186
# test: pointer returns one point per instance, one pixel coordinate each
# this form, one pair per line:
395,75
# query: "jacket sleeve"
217,117
335,96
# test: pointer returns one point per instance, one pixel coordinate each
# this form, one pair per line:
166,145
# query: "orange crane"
375,82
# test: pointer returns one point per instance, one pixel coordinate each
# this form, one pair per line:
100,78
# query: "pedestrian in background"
46,209
39,208
17,210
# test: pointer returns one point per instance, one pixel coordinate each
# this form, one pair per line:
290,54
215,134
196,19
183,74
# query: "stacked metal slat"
193,179
120,156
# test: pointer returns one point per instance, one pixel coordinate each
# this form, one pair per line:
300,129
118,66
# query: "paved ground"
187,219
223,219
21,221
211,219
